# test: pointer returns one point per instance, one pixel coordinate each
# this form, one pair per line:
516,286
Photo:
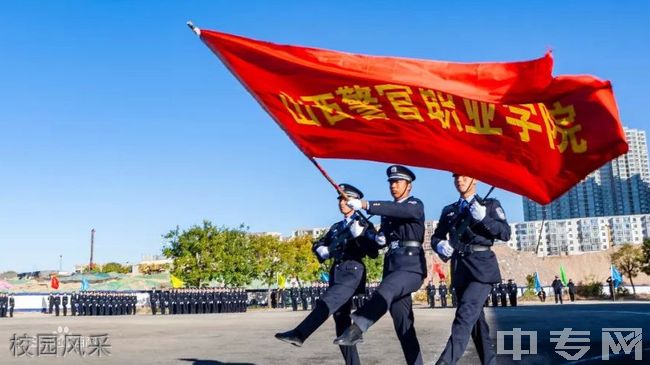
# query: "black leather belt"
475,248
410,244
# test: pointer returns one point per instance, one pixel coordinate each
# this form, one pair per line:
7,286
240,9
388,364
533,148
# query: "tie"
463,205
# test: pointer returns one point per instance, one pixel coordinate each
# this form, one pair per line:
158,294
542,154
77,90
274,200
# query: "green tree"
302,264
9,275
236,262
374,267
629,260
115,267
271,259
530,281
645,267
204,253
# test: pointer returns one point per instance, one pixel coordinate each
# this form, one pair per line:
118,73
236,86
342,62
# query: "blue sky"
114,116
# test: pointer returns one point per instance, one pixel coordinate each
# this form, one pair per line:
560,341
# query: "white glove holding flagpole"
380,239
477,211
356,229
444,248
323,252
355,204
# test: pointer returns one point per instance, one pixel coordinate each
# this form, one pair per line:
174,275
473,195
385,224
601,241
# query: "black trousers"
572,296
513,300
336,301
342,320
394,295
470,321
558,296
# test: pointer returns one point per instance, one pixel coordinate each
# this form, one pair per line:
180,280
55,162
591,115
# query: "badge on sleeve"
500,213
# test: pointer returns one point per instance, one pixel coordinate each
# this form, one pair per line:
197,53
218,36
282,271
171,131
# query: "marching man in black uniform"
347,242
402,230
465,233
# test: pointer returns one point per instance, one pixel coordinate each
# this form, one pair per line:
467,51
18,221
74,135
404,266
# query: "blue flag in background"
324,277
538,284
617,278
84,284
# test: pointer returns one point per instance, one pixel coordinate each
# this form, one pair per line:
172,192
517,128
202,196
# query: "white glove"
380,239
323,252
444,248
356,229
477,211
355,204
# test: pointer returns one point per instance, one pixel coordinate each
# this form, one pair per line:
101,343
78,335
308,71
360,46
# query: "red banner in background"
437,268
54,282
511,125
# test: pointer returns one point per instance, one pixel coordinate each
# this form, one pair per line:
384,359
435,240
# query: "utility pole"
92,248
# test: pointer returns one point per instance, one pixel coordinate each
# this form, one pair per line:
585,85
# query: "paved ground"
247,338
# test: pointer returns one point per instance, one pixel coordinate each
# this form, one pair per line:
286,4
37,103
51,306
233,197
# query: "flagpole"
194,28
613,286
197,31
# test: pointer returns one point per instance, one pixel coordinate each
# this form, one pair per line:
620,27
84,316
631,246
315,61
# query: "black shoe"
352,336
290,337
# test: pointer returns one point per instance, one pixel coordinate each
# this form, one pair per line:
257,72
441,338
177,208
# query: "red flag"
438,269
511,125
54,282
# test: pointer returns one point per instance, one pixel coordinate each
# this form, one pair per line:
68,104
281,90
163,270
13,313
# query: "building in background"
579,235
620,187
315,233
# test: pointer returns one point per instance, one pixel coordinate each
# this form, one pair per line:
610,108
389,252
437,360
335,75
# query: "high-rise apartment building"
620,187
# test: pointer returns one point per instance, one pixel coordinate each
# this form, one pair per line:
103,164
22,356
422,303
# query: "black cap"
399,172
351,191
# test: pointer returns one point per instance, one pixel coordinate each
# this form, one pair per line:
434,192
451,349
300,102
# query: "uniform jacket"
481,266
402,221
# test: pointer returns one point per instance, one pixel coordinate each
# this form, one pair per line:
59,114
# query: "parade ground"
247,338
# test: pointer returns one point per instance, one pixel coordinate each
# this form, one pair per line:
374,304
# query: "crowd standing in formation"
197,301
442,293
92,303
7,304
295,297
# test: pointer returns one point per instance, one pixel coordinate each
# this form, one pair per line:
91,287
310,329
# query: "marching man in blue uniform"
347,242
465,234
402,231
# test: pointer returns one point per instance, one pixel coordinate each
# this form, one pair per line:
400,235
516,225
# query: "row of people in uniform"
306,297
502,293
443,294
466,231
7,304
296,297
198,301
92,303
